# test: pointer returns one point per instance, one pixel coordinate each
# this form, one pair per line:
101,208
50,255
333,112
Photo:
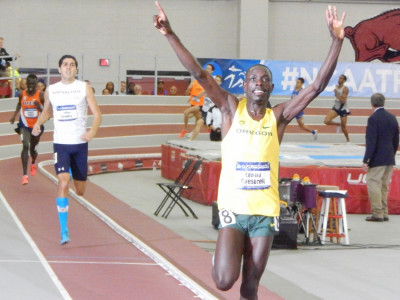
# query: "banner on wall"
363,79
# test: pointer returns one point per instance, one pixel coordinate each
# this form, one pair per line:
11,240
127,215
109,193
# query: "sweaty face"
258,84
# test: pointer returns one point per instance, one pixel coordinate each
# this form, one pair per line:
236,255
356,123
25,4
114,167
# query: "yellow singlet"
250,161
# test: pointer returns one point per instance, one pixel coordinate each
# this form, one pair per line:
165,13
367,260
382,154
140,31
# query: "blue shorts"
71,156
250,225
300,115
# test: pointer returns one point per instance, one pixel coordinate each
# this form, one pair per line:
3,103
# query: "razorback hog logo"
377,38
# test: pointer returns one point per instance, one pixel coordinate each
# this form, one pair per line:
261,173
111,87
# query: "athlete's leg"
33,146
329,117
188,113
61,165
80,186
303,126
79,168
63,205
197,127
228,257
343,123
256,254
25,137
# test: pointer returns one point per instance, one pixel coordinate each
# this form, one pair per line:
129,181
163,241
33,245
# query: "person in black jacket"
3,52
382,141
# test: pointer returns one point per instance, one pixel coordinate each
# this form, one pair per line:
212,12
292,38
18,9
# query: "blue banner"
363,79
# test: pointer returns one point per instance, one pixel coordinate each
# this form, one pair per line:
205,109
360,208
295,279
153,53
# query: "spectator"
41,86
110,87
173,90
3,52
131,88
381,143
160,88
88,81
122,88
106,92
23,85
137,89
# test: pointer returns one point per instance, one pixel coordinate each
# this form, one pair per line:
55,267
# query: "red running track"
99,263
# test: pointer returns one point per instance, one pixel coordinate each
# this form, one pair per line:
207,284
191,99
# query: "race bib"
30,113
226,217
66,113
253,175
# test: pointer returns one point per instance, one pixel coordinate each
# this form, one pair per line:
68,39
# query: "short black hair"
344,76
256,66
31,76
301,79
212,66
67,56
377,100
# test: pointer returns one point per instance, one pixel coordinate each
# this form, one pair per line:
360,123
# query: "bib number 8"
226,217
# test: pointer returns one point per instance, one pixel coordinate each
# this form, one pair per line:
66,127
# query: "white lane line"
35,248
197,289
76,262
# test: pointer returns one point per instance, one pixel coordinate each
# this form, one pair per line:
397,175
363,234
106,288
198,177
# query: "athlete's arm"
219,96
17,109
94,108
45,114
187,92
288,110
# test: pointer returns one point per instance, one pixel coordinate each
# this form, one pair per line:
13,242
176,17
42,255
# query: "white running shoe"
338,129
315,135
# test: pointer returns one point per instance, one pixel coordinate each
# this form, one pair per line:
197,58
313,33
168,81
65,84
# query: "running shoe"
182,134
24,180
33,170
65,238
315,135
338,129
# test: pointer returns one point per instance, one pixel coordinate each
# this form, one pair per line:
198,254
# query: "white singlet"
69,111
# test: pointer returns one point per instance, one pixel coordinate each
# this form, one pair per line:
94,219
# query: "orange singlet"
29,110
196,90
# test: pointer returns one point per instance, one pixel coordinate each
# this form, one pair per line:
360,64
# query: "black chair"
173,191
165,188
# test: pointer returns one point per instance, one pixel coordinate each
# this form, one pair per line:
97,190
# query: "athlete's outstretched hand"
161,22
335,26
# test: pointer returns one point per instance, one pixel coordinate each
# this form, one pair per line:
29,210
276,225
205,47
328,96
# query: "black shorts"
74,157
341,112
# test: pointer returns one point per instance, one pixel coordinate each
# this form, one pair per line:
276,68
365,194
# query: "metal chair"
174,190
